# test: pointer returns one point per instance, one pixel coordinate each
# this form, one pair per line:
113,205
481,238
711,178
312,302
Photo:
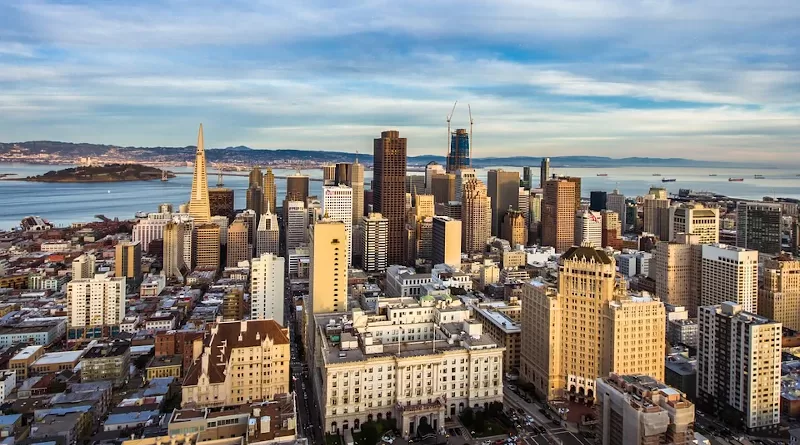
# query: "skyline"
604,78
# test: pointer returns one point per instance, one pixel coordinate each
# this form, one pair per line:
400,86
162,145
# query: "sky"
699,79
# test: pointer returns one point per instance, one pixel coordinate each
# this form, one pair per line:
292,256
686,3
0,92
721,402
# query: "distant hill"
29,151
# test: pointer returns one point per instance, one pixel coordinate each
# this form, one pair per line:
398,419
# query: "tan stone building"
165,366
694,219
207,244
677,271
499,324
513,228
558,214
476,216
241,362
588,327
128,260
779,296
446,241
238,247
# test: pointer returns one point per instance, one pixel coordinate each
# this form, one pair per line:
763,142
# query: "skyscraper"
270,191
95,306
503,189
446,241
611,230
238,246
577,181
597,200
656,215
374,241
696,219
83,267
266,288
329,174
513,228
527,177
779,296
174,266
729,274
256,177
431,169
589,227
558,214
615,201
296,224
199,205
739,366
207,246
587,328
443,187
476,216
337,205
758,226
268,234
297,187
389,188
329,267
221,201
128,260
459,156
352,175
677,271
255,199
462,176
544,172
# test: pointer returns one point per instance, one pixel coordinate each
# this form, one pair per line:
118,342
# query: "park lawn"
491,427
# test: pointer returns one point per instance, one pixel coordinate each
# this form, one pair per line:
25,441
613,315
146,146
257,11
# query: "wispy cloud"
712,79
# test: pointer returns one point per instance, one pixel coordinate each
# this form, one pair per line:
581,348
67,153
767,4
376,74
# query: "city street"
553,435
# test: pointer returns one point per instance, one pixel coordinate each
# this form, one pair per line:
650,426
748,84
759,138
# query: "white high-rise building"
337,202
222,222
374,242
615,201
268,234
589,227
150,229
296,224
739,366
462,176
188,240
267,288
95,306
83,267
729,274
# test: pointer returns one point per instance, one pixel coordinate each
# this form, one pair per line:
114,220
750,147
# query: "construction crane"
449,116
470,134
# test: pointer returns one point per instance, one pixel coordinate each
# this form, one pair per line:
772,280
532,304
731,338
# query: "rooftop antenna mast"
449,116
470,134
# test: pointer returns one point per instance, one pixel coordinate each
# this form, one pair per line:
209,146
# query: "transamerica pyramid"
199,207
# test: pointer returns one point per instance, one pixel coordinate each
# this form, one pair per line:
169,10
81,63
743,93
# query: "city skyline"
609,78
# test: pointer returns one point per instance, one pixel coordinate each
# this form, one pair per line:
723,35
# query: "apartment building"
694,219
502,327
779,295
677,271
95,306
729,274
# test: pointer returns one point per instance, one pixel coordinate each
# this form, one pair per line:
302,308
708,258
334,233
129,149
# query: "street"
553,435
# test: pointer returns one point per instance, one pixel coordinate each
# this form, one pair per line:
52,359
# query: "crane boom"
449,116
470,134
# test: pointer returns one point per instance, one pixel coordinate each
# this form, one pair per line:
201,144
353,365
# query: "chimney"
243,329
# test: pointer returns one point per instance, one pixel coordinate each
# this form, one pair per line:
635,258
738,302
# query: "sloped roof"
586,253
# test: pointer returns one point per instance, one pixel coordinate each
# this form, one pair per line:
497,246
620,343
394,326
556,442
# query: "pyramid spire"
199,206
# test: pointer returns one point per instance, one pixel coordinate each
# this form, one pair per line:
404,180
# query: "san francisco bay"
65,203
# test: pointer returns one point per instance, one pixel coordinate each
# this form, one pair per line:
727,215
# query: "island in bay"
103,173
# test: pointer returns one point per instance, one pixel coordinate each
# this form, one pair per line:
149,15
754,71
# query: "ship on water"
735,179
659,174
602,174
668,179
758,176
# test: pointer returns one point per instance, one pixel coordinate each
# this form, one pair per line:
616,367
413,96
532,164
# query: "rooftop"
500,320
27,352
54,358
166,360
105,350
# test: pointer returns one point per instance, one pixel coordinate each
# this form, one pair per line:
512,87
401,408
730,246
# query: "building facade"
476,216
779,295
374,255
388,186
729,274
558,214
514,227
446,241
337,205
199,205
694,219
503,190
267,288
207,246
95,306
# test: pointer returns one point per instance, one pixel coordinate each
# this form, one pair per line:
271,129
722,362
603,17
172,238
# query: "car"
541,429
486,442
512,387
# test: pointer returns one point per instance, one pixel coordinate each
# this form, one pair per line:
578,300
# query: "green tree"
467,417
480,421
370,433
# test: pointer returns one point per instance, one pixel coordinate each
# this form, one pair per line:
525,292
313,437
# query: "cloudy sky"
703,79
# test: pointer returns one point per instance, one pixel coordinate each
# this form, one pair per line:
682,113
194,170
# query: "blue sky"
703,79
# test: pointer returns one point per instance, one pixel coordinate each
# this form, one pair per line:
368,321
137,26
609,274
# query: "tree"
467,417
495,409
480,421
370,433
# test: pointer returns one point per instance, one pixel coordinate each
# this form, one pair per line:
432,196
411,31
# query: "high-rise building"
352,175
296,224
374,241
189,242
238,247
476,216
199,206
597,201
758,226
443,187
329,267
640,410
165,207
677,271
588,328
150,229
694,219
267,288
527,177
268,234
261,347
83,267
221,201
779,296
615,201
513,228
739,367
329,174
255,178
558,214
544,172
337,205
431,169
297,187
254,200
611,230
222,222
95,306
207,246
729,274
589,227
128,260
503,189
415,184
656,215
174,266
389,170
446,241
577,181
462,176
270,191
459,155
524,203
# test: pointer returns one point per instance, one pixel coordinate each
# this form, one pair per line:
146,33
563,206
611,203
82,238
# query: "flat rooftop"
27,352
107,350
54,358
501,320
